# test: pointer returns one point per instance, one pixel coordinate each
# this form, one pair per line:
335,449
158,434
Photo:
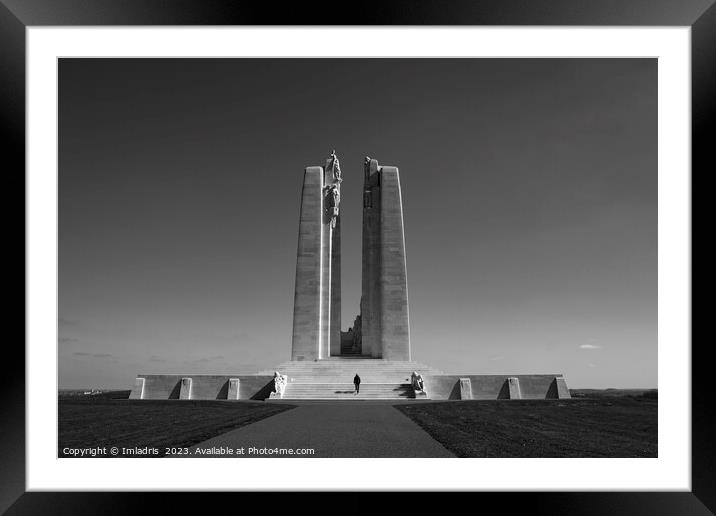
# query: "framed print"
454,241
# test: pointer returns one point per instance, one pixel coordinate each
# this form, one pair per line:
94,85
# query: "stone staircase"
323,391
347,345
332,378
347,349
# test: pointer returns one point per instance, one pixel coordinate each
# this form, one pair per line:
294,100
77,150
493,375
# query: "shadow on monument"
265,391
455,392
504,393
174,395
553,391
223,393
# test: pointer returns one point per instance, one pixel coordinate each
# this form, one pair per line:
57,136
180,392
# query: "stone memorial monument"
377,346
384,331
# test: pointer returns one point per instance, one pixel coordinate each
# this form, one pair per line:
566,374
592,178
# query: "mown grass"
609,426
86,423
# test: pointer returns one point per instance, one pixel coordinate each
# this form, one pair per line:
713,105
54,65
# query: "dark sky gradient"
529,196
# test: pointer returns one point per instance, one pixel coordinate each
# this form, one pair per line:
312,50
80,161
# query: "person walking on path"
356,382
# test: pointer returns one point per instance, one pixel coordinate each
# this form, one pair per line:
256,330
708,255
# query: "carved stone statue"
335,166
331,202
333,196
366,168
357,333
416,380
279,383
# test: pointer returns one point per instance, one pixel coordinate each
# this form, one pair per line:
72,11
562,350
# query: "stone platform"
332,379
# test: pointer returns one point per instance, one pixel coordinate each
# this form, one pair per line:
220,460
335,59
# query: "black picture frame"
17,15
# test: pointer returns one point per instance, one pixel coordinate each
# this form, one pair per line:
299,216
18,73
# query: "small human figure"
356,382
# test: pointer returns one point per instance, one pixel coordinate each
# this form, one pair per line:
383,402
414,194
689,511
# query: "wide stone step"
351,373
329,393
344,369
366,386
293,380
347,364
347,390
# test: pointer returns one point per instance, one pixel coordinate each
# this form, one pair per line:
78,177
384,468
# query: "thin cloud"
590,346
203,360
93,355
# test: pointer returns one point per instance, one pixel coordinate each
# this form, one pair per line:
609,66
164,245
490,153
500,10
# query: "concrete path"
333,429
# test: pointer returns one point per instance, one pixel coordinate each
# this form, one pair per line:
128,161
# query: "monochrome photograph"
357,257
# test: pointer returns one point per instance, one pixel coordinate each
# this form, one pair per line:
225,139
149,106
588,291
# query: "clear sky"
529,196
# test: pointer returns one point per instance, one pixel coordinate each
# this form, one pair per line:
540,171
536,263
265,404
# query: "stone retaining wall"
203,387
491,387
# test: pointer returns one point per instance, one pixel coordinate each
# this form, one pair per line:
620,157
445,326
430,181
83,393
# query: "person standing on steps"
356,382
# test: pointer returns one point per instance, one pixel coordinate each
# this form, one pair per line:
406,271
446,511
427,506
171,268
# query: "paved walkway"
335,429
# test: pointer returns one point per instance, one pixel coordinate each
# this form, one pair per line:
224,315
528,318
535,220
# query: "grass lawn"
619,426
86,423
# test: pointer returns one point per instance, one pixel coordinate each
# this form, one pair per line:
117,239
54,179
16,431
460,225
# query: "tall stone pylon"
385,328
384,323
317,299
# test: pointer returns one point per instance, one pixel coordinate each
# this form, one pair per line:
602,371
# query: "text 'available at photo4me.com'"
213,451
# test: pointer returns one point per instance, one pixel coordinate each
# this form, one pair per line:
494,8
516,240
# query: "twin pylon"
382,329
